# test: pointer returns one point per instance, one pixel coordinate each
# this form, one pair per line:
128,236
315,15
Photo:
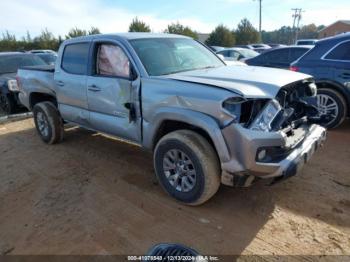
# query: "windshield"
163,56
11,63
248,53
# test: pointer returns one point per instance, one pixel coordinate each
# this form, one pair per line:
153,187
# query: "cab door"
112,92
70,79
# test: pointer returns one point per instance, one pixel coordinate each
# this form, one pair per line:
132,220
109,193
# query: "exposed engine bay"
293,106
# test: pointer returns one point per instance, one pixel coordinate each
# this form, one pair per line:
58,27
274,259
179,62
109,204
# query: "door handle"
345,75
60,83
94,88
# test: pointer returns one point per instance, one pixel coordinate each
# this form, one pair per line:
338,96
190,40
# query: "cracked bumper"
243,145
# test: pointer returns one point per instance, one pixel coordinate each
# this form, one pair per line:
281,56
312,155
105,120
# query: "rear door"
296,53
340,58
70,80
112,93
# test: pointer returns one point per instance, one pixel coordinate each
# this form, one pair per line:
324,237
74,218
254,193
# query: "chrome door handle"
60,83
94,88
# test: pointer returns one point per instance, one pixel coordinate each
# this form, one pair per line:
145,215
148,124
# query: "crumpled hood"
248,81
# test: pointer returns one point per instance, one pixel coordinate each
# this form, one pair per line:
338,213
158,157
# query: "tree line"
245,33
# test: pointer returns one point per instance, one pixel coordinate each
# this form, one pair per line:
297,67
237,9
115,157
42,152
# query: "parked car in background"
206,123
279,57
237,54
216,48
260,48
276,45
329,63
9,64
306,42
49,58
39,51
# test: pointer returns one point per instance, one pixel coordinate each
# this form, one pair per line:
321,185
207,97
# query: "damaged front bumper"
285,155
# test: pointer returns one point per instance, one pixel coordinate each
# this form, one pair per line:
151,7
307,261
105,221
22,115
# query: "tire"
326,97
194,154
7,104
48,122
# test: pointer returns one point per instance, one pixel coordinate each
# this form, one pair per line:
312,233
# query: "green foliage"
181,30
46,40
284,35
221,36
138,26
76,32
246,33
308,31
94,31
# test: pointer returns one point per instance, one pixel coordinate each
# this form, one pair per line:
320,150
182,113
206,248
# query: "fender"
338,87
4,89
193,118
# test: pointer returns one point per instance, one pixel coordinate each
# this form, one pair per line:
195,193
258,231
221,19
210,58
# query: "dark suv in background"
329,63
280,57
9,64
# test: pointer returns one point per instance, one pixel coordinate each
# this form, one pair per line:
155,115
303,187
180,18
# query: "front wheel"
187,167
331,107
7,104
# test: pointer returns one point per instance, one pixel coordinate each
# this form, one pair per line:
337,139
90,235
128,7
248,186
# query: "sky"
110,16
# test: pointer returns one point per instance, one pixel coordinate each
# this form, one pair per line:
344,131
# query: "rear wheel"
48,122
331,106
187,167
7,104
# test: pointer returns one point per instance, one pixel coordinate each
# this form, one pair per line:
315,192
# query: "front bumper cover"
243,145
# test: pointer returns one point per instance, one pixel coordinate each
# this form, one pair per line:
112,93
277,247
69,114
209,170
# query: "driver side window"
112,61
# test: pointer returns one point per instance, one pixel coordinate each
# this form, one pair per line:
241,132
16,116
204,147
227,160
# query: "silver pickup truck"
206,123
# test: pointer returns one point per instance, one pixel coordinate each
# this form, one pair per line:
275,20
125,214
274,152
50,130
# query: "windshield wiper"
186,70
178,71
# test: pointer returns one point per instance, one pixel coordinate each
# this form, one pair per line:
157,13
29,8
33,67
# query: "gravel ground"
95,195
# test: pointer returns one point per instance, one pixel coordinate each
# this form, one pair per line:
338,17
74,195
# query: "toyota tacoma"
206,123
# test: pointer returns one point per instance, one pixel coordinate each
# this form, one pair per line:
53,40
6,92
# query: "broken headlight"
12,85
233,106
264,119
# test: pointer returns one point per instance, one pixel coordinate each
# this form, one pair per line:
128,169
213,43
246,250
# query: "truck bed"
45,68
38,79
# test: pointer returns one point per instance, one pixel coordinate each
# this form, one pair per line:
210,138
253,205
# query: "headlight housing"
263,121
311,90
12,85
232,106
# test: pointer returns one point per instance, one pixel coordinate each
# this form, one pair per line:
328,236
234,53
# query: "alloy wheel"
179,170
43,124
327,106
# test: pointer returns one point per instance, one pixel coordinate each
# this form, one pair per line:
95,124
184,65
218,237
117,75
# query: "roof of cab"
127,36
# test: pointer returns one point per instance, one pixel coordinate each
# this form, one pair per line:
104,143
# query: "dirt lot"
95,195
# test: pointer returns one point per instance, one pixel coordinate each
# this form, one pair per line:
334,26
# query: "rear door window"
225,53
234,54
341,52
296,53
75,58
278,56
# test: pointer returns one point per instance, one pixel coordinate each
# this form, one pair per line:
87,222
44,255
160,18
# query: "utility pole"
259,19
296,18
